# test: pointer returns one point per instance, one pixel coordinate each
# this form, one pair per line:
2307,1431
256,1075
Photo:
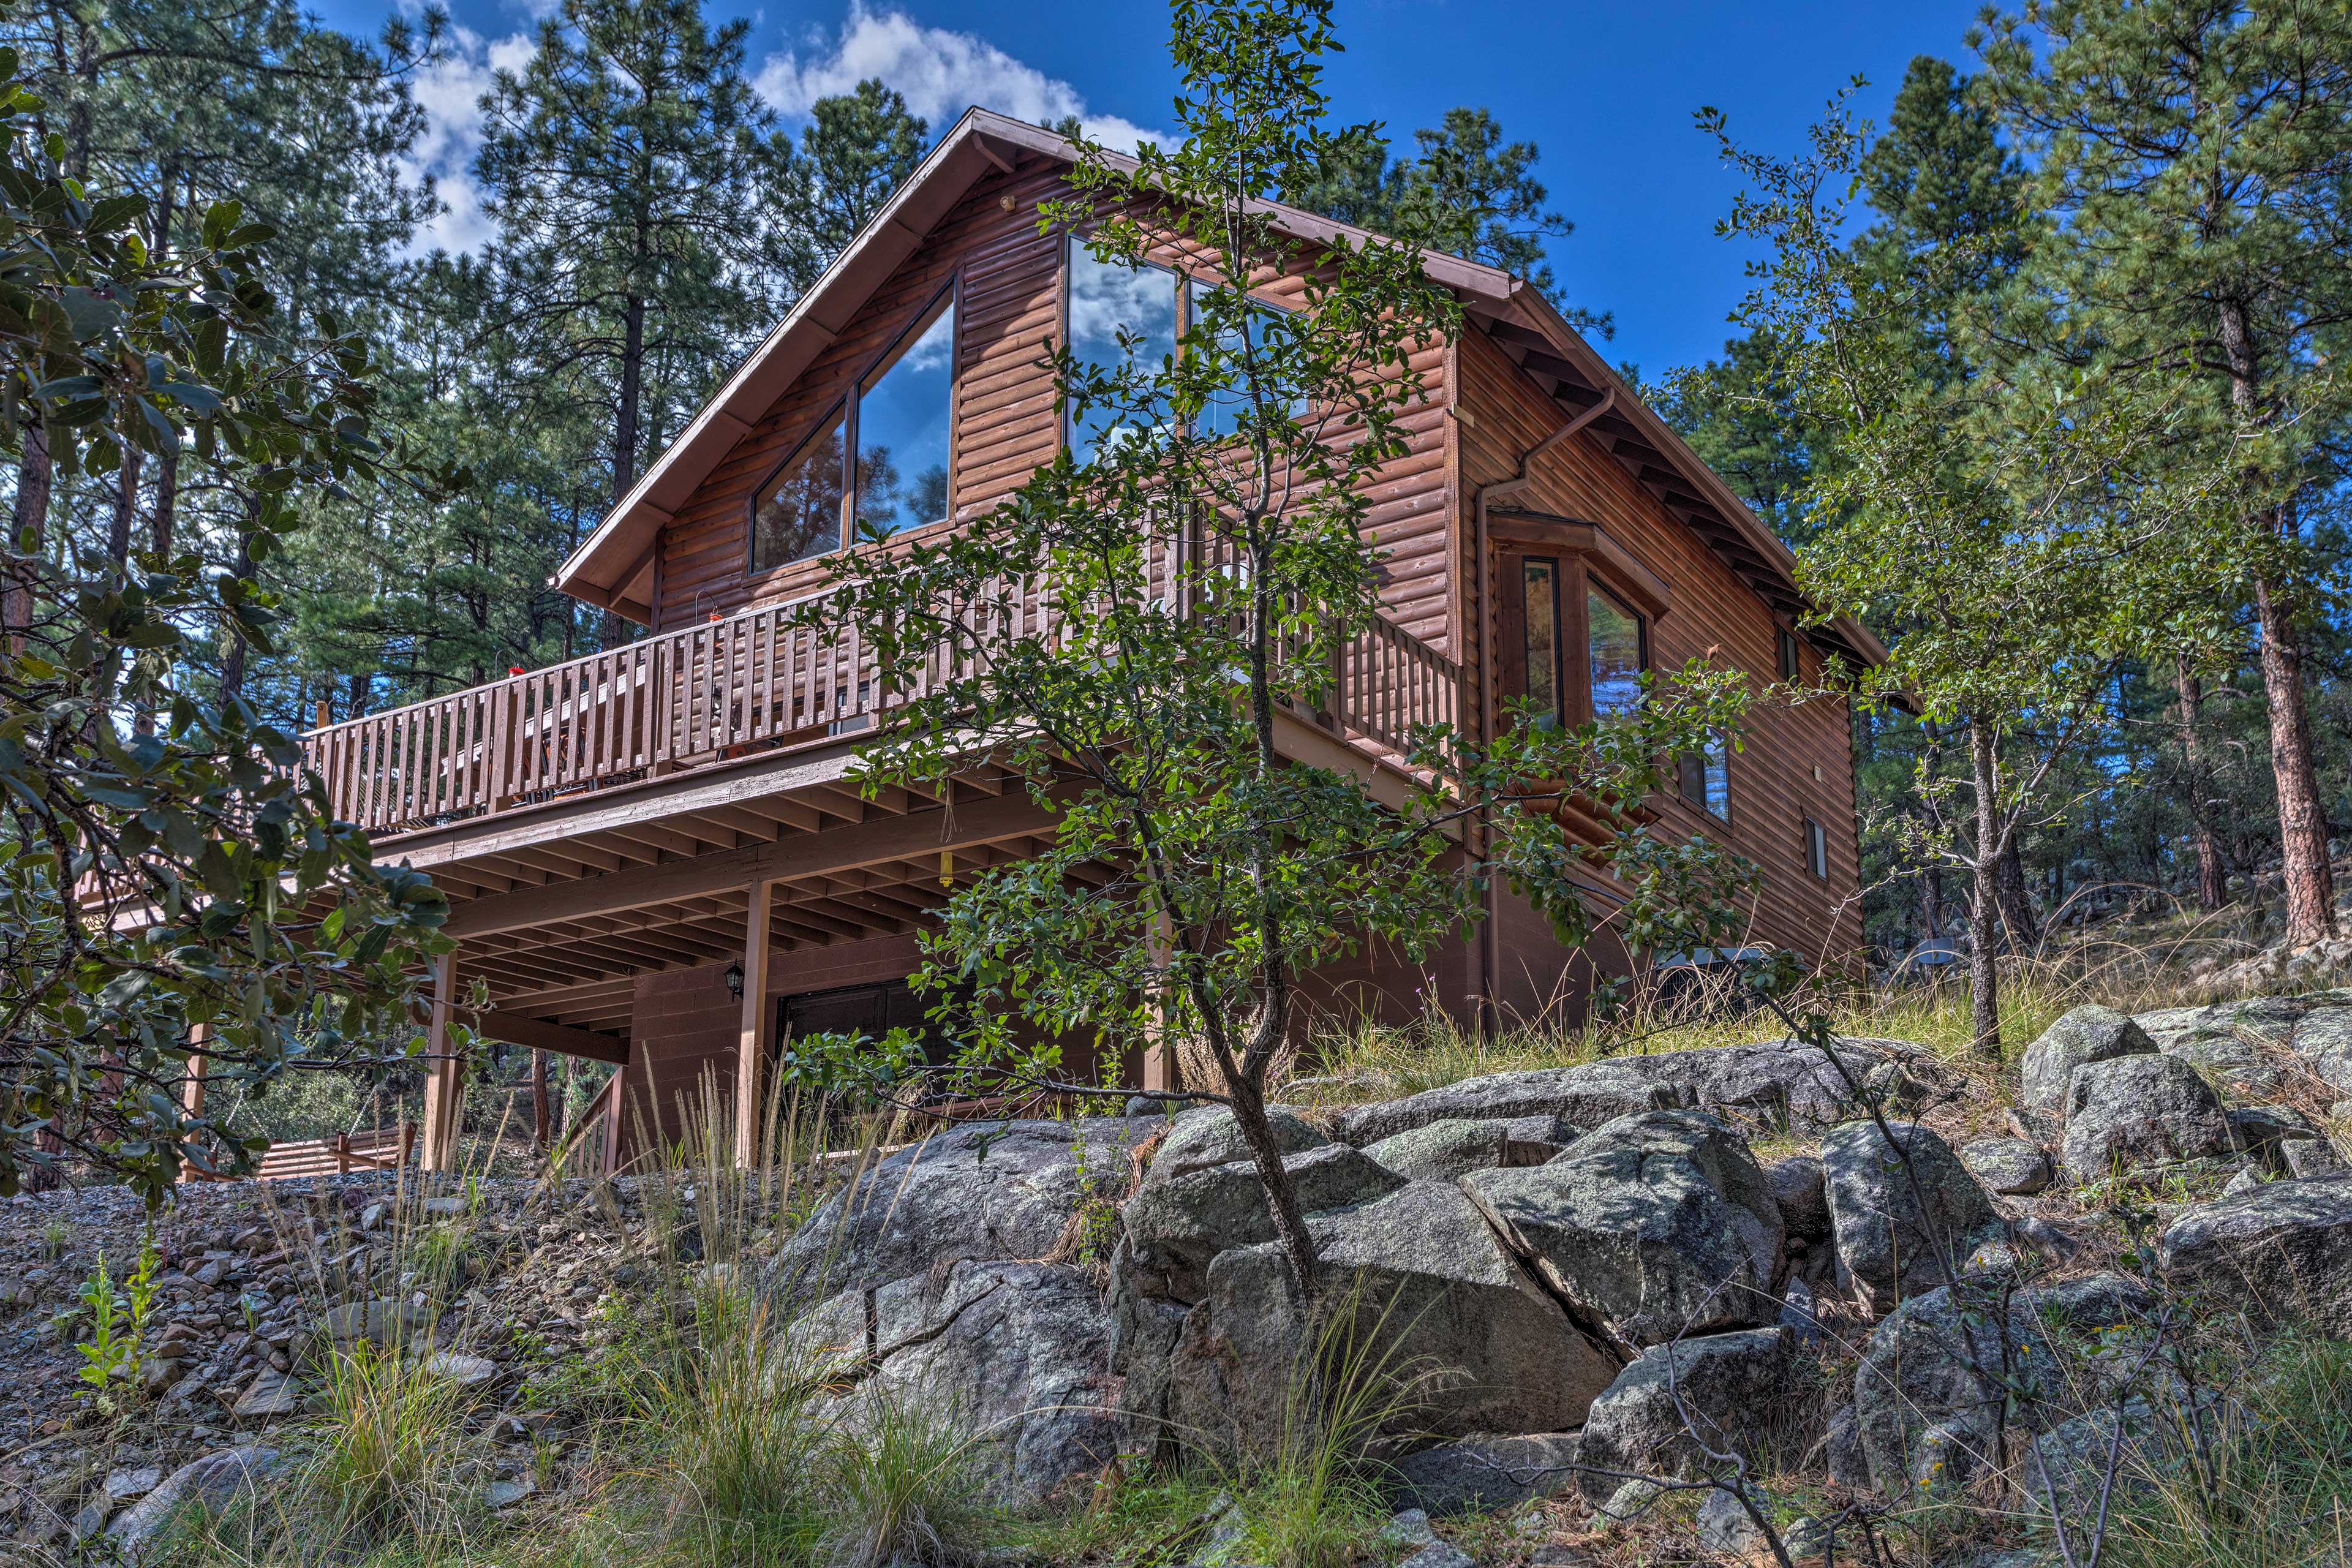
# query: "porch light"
735,981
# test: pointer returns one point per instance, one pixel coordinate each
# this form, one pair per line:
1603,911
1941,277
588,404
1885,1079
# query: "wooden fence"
339,1154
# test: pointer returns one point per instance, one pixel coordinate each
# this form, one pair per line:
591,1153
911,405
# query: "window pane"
1718,779
1613,635
1223,416
1817,855
1107,299
799,514
1540,616
902,431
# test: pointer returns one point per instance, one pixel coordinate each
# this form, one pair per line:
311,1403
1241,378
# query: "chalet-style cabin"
652,856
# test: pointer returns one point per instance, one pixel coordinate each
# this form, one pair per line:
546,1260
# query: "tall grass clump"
909,1484
392,1458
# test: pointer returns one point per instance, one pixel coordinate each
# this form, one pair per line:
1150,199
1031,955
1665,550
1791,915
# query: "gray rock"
1632,1500
1654,1224
1725,1527
1209,1136
506,1494
1726,1382
1579,1097
2068,1464
1904,1215
1930,1378
1796,1183
384,1322
2245,1181
2281,1254
129,1485
988,1191
442,1208
465,1370
208,1485
2088,1034
1445,1554
1021,1354
1408,1528
2307,1157
1445,1149
2139,1114
1225,1382
1482,1474
271,1396
1178,1223
2260,1129
2008,1166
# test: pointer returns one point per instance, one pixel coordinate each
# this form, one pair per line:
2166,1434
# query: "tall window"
1704,778
797,515
904,412
1788,664
1106,299
1817,851
1617,651
1540,633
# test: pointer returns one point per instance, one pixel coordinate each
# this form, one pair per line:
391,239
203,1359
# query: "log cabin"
655,855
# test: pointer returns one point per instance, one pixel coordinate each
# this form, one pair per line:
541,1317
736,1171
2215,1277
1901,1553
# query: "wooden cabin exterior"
654,856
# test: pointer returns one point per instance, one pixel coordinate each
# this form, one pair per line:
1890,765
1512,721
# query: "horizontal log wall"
1797,762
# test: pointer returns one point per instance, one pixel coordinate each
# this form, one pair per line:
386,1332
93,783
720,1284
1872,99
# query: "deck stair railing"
757,679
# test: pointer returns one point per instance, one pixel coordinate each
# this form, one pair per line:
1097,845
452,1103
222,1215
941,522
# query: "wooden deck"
756,681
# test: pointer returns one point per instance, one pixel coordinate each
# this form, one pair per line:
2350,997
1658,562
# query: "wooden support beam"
520,1029
752,1035
444,1075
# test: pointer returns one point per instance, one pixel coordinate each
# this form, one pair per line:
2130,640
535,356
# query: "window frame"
1595,583
949,293
1721,754
1816,846
1790,662
1071,243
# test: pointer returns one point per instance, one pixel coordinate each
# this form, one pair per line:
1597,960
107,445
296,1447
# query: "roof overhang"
612,567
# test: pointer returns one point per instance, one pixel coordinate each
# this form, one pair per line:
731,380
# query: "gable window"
796,515
1788,666
1617,650
1704,778
1106,299
905,409
1817,851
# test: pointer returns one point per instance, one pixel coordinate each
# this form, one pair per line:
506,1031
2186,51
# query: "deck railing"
755,681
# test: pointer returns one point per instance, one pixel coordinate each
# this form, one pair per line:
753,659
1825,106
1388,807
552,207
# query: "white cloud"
940,74
451,96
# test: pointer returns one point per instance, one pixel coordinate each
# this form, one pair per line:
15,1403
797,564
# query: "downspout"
1503,489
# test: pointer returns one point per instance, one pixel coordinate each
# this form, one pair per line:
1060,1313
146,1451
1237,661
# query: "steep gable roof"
611,568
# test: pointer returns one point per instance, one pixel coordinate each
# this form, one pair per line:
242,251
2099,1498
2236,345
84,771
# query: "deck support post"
1163,1072
191,1088
444,1075
752,1036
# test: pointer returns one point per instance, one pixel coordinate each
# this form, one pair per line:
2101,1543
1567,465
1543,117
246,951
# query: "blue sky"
1608,93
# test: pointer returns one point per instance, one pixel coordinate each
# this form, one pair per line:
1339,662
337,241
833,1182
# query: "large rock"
1929,1390
1445,1149
206,1486
1018,1354
1429,1289
992,1190
1905,1215
2135,1115
1797,1188
1485,1474
2088,1034
2282,1254
2008,1166
1728,1384
1773,1082
1210,1136
1652,1225
1178,1223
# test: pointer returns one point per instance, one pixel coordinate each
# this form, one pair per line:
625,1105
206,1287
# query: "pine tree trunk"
624,435
539,1117
2302,821
1984,905
2212,883
27,532
126,505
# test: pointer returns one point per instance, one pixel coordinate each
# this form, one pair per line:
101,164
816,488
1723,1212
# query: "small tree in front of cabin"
1195,873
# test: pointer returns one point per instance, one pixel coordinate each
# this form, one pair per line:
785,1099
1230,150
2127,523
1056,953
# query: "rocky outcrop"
2281,1254
1905,1213
1674,1402
1930,1391
206,1486
1771,1083
997,1190
2090,1034
1178,1223
1482,1474
1443,1151
2135,1115
1651,1226
2011,1166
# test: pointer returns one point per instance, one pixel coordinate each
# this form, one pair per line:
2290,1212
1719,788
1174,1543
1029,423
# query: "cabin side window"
1103,301
1703,778
796,515
1617,651
905,413
1817,851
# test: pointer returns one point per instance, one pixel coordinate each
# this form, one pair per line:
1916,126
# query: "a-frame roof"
612,564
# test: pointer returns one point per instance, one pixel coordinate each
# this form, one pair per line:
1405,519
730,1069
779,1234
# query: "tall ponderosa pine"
638,184
2201,159
856,149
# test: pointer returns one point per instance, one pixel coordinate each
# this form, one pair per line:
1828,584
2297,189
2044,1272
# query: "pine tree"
856,149
2201,159
638,184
